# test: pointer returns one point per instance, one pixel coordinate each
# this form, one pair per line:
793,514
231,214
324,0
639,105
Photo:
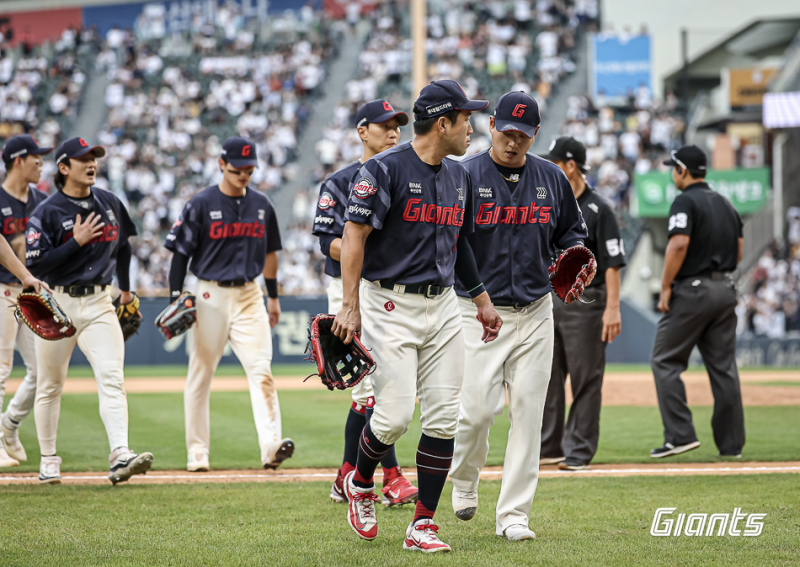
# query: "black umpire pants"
701,313
577,350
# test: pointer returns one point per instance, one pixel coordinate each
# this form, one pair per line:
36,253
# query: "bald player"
378,127
407,208
230,233
23,159
524,212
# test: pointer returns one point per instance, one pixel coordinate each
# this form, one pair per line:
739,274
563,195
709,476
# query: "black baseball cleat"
669,449
573,465
283,452
730,455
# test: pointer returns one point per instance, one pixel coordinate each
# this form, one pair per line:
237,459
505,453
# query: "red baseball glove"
338,365
571,271
42,313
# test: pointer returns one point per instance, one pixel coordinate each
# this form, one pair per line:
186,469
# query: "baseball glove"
42,313
570,271
339,365
178,317
130,319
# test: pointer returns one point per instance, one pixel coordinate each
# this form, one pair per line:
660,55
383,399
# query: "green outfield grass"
315,420
589,521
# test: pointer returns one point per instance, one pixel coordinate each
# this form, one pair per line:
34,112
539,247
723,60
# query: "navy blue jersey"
329,219
227,238
517,232
417,214
50,228
604,240
14,214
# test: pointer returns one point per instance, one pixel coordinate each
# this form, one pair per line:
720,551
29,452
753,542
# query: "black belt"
233,283
514,305
428,290
80,290
714,276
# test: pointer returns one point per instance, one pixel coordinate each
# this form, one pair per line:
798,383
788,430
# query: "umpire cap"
689,157
567,148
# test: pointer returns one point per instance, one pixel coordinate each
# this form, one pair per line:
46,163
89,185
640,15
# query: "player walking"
230,232
407,207
378,127
524,210
23,160
583,329
77,238
698,300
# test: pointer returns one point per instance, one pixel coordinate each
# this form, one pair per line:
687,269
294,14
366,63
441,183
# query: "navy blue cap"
688,157
379,111
567,148
439,97
21,146
77,147
517,111
239,152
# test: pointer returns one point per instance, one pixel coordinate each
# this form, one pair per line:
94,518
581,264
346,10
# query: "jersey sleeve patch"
364,188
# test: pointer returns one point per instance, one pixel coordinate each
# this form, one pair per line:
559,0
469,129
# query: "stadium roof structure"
751,45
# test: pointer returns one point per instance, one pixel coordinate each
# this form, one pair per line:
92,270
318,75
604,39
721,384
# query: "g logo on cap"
387,107
246,151
519,110
82,142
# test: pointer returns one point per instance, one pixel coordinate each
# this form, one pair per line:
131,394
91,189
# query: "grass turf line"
577,521
315,421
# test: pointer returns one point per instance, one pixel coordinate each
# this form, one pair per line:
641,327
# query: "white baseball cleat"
283,450
361,508
465,504
50,470
125,463
198,462
518,532
7,460
423,536
550,460
9,432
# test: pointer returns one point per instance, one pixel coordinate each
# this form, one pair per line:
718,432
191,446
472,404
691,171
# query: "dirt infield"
619,388
489,473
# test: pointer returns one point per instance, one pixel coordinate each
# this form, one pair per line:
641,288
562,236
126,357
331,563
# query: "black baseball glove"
338,365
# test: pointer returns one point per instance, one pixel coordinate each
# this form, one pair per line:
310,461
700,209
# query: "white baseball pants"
362,392
99,337
418,345
518,360
238,315
12,332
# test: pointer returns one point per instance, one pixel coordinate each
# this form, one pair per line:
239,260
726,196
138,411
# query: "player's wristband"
476,291
174,294
272,287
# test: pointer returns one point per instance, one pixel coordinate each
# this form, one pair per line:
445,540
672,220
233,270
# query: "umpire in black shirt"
582,330
698,298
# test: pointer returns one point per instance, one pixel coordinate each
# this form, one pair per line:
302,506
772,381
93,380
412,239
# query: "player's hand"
274,311
86,231
663,300
30,281
347,323
592,274
612,324
488,317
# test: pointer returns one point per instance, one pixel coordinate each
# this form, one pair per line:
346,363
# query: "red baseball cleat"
361,509
337,490
423,536
397,490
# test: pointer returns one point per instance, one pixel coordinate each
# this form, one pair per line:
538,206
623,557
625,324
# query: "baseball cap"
378,111
439,97
517,111
77,147
23,145
239,152
688,157
567,148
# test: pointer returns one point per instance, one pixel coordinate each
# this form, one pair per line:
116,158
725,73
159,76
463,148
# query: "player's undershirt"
510,174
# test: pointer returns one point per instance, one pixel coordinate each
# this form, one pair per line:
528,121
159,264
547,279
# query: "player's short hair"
422,127
9,165
59,178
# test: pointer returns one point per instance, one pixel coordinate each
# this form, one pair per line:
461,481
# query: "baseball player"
378,127
407,208
698,300
583,329
23,160
76,240
230,232
524,210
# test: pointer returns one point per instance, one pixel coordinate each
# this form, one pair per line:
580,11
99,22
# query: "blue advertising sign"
618,65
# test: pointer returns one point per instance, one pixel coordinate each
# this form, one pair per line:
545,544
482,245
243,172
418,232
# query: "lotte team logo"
326,201
389,306
364,188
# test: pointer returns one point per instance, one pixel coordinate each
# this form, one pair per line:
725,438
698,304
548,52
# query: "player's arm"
466,269
331,245
182,242
13,264
348,320
42,258
270,274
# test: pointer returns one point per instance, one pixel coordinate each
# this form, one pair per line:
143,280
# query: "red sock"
422,513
